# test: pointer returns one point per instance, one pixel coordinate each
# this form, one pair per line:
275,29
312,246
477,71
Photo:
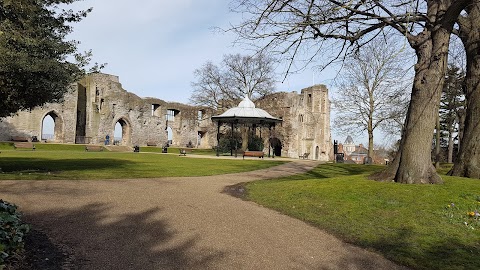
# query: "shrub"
227,143
255,143
12,232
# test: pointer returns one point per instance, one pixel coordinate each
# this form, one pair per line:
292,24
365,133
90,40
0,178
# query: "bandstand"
248,115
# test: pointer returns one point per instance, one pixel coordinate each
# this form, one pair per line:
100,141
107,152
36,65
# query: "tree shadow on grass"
449,253
89,238
15,165
324,171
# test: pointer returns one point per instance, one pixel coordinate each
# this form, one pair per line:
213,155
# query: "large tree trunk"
468,161
431,47
415,165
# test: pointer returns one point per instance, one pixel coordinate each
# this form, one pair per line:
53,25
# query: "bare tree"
372,91
297,27
238,75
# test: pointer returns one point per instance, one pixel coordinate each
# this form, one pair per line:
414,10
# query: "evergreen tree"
451,106
34,65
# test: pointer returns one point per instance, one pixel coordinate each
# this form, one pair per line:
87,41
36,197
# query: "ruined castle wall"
144,120
29,123
94,105
306,121
103,102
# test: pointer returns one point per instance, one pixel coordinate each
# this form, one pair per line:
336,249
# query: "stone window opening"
156,110
171,113
200,115
97,94
309,99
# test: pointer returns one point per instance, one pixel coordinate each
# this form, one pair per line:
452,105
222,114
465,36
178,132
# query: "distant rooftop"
349,140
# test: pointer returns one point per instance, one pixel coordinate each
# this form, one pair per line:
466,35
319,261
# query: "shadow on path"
88,239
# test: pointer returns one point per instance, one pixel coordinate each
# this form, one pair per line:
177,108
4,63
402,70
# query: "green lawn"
421,226
52,161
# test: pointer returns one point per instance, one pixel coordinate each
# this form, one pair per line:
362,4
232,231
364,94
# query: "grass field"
51,161
420,226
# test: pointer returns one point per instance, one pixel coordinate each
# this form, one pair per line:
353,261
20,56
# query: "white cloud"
154,46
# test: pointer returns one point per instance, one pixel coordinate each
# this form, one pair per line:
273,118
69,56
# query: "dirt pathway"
179,223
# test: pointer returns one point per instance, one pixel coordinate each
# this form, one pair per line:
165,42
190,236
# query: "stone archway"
277,146
57,135
317,152
126,132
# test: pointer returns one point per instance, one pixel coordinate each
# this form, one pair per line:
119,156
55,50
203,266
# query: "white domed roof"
246,109
246,103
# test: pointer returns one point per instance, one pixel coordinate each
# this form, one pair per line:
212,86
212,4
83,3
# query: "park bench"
19,139
93,148
184,151
26,145
151,144
304,156
258,154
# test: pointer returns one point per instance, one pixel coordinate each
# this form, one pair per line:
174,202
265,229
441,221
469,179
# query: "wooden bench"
184,151
19,139
93,148
304,156
26,145
258,154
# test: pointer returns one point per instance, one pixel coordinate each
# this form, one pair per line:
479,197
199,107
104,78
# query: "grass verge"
78,164
420,226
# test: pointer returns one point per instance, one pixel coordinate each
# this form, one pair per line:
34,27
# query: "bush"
227,143
255,143
12,232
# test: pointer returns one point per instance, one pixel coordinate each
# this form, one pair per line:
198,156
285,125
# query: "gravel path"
178,223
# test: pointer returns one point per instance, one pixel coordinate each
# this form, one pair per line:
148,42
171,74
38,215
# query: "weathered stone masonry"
93,107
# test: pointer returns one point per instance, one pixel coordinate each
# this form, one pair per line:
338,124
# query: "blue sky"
154,46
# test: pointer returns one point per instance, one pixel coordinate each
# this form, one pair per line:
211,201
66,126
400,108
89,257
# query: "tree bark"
450,144
370,137
370,144
468,161
415,164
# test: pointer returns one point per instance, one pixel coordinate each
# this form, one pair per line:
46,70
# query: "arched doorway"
122,131
48,128
317,152
277,146
169,136
52,127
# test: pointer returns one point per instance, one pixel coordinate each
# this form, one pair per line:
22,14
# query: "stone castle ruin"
94,105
